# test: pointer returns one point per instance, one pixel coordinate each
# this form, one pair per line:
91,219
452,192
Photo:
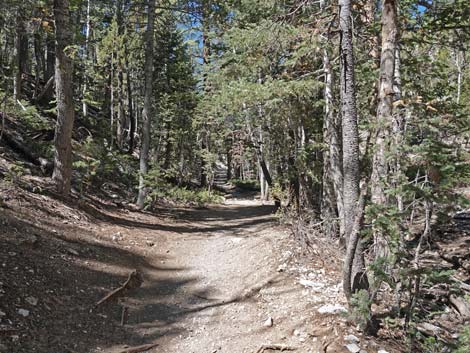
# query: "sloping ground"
215,280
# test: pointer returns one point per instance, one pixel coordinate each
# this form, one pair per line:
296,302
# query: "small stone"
73,251
353,348
150,243
2,314
382,351
269,322
296,332
351,338
23,312
32,300
311,284
332,309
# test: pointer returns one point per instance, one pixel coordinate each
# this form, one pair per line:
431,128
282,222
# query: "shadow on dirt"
55,268
50,283
233,218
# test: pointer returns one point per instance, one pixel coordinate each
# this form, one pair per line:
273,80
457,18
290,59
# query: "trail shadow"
227,218
153,314
38,263
68,268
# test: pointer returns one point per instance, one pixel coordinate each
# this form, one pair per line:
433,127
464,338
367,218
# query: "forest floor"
219,279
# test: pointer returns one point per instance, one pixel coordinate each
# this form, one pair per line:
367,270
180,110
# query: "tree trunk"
350,134
132,122
64,92
111,100
121,117
87,56
147,111
21,54
384,114
333,171
39,61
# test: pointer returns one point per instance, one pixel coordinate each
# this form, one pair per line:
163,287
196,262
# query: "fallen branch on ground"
133,281
124,315
462,306
138,349
275,347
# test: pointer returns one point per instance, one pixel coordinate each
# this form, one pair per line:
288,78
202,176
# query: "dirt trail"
214,291
213,278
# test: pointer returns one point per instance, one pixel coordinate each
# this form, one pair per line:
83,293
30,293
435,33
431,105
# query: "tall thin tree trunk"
39,61
50,57
87,56
121,117
333,170
351,172
111,100
132,122
64,92
147,111
384,114
458,61
21,47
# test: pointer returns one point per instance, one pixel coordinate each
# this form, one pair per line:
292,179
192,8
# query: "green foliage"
15,172
246,184
167,193
464,341
360,311
97,163
432,345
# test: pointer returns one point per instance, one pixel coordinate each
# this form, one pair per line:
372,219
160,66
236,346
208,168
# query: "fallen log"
18,145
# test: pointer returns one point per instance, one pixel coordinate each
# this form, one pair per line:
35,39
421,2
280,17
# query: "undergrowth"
172,194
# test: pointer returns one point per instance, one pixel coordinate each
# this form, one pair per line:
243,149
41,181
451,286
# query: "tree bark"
50,58
21,47
147,111
121,117
384,120
132,122
333,170
87,55
350,135
64,92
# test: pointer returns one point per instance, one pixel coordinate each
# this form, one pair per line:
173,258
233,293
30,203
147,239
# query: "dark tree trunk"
121,117
64,92
39,61
21,54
